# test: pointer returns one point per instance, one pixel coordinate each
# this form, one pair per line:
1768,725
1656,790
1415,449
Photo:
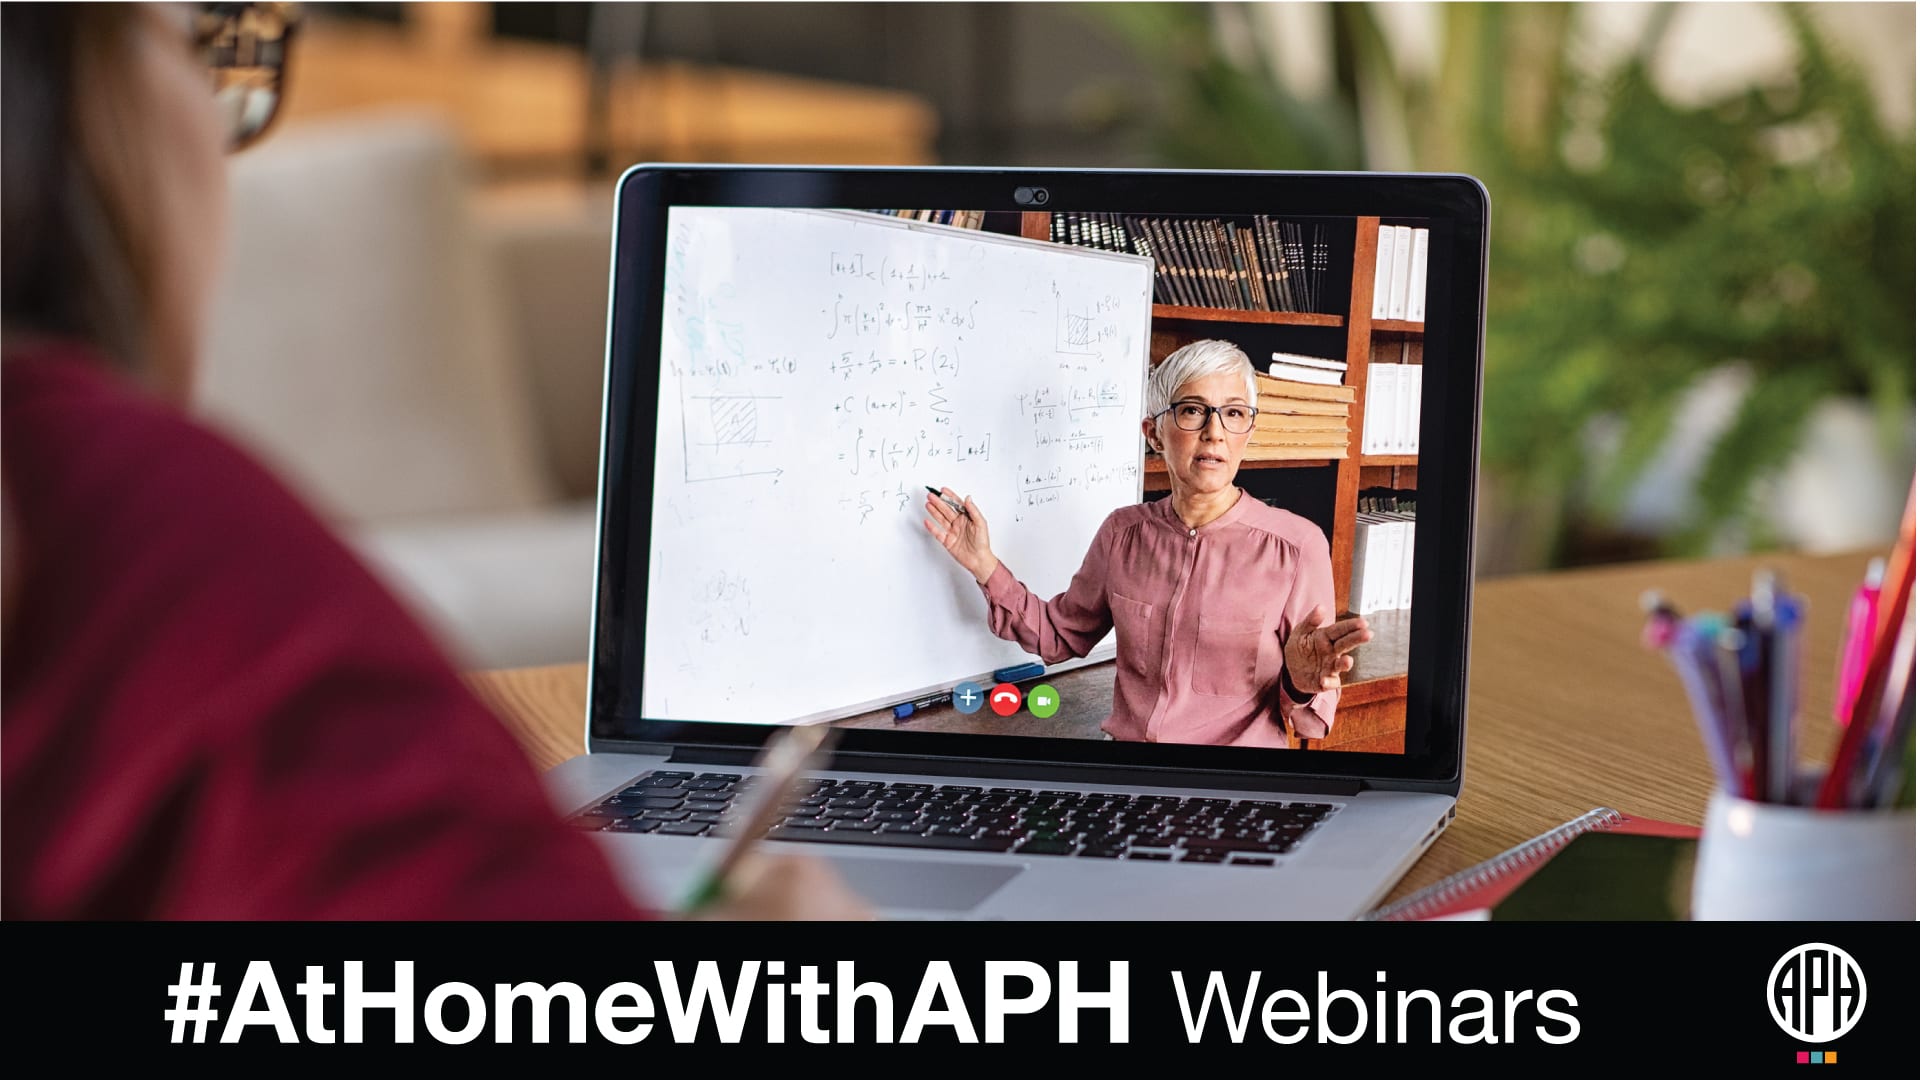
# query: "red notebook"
1481,887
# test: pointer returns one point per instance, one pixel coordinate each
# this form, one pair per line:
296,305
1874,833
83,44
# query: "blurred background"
1701,309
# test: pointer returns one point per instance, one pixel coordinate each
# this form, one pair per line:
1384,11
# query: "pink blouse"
1201,616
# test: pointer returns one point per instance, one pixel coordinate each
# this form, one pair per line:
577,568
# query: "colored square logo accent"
1802,1058
1819,1057
1833,1056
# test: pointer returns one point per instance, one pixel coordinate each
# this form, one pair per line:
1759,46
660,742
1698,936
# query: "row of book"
1267,265
1382,552
1392,421
1299,421
1400,274
959,219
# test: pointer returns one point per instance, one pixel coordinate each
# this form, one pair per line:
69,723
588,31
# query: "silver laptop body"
1354,822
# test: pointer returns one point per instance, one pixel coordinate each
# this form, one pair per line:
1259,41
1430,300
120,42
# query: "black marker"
957,508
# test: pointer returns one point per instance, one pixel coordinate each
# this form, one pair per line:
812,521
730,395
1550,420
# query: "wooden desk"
1565,711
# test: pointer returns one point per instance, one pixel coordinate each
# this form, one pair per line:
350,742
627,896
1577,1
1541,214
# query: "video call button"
968,697
1005,699
1043,701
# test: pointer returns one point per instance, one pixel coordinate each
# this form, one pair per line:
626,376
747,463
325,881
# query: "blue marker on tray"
908,708
1019,672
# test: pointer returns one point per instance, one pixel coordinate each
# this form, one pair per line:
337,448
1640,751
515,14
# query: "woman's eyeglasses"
245,46
1195,415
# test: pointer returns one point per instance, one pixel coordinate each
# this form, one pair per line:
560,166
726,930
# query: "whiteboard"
818,370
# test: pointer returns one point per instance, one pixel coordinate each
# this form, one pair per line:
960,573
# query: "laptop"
1102,730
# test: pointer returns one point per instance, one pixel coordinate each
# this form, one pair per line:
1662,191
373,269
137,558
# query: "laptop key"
1047,847
1228,846
1251,860
806,823
633,825
1156,856
894,839
683,828
664,803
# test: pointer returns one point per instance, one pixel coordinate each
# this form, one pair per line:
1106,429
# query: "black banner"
1323,995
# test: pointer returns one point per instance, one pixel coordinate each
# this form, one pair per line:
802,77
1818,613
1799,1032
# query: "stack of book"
1257,264
1391,424
1299,421
1382,553
1294,367
1400,274
959,219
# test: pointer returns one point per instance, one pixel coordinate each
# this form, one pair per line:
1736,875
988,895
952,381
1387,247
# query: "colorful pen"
1663,620
1896,592
1858,642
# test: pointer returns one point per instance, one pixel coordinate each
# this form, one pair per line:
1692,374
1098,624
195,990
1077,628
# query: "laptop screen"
1140,479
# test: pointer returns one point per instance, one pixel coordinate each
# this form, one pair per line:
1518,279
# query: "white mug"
1768,861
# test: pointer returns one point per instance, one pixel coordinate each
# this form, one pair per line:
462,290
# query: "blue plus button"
968,697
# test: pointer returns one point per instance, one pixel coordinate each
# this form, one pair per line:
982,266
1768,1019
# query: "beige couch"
425,366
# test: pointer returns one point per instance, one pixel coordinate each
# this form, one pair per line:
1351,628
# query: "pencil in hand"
787,756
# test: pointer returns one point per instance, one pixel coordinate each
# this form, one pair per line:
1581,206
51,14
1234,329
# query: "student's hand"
788,888
1317,653
963,535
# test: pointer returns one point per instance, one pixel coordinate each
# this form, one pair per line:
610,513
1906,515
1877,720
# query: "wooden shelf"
1393,476
1401,326
1276,318
1389,459
1158,465
1156,479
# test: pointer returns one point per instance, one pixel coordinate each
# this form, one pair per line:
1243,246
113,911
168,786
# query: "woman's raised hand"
1317,653
963,533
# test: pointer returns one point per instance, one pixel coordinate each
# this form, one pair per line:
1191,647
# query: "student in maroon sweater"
208,708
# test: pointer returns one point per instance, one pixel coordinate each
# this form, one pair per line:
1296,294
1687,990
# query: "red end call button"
1005,699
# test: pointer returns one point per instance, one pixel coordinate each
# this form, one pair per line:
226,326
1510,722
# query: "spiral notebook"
1485,885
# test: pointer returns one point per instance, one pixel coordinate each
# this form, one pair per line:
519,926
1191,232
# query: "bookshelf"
1373,699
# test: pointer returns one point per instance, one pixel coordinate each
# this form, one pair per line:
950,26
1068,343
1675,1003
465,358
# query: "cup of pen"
1762,860
1781,841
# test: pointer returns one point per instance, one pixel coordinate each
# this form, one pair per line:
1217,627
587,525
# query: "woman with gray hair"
1222,605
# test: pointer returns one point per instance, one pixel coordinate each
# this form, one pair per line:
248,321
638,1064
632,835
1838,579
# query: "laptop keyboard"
958,817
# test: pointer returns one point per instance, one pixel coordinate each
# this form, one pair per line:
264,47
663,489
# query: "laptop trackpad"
913,885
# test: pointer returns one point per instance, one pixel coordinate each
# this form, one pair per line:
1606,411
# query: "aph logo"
1816,993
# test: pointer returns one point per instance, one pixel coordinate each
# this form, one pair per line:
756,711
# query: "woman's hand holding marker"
962,529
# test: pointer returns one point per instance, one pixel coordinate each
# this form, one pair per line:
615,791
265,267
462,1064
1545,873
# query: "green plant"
1638,243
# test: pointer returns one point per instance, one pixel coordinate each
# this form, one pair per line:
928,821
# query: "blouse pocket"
1138,646
1227,658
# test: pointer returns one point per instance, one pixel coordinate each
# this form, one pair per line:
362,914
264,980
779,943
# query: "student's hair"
1197,361
78,256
